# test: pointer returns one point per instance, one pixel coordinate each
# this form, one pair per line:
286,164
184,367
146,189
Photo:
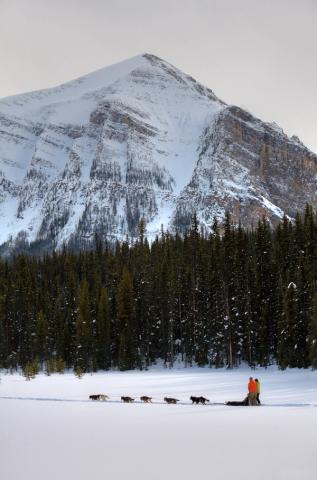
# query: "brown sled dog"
146,399
127,399
99,396
170,400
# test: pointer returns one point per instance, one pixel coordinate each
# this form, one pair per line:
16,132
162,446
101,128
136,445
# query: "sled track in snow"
183,403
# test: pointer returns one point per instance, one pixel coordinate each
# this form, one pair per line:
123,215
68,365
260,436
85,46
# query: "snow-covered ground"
50,430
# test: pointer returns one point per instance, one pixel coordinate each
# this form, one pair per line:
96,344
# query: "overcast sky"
258,54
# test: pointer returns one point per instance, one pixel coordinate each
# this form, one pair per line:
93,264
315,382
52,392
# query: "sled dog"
146,399
99,396
127,399
198,400
170,400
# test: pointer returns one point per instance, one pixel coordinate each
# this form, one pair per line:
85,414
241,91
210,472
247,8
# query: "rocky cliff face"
138,140
250,168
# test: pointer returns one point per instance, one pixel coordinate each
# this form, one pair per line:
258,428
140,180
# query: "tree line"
213,300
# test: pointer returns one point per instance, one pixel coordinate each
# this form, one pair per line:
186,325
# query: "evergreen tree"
287,333
83,323
313,335
126,319
267,304
41,336
103,331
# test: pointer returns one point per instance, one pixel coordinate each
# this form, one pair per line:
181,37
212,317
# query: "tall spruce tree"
127,353
103,331
313,335
42,336
287,344
83,325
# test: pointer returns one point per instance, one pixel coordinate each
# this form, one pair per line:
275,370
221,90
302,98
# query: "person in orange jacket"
252,392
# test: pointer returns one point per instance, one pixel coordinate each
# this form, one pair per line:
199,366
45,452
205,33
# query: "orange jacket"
252,386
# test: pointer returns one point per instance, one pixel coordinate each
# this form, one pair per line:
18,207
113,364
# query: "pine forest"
219,300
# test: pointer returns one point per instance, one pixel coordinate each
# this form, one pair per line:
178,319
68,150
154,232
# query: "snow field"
73,438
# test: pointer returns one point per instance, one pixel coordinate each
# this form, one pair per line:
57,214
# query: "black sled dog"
127,399
198,400
171,400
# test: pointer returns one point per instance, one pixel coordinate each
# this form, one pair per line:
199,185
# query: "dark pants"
258,398
252,399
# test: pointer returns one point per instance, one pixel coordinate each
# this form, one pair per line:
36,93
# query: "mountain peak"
139,139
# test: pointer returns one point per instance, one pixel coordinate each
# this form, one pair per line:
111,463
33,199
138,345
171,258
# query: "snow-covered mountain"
139,139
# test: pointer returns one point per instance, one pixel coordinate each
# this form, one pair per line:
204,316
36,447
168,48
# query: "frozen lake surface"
50,429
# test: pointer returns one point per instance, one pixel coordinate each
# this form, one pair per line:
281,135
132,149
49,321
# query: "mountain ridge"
140,139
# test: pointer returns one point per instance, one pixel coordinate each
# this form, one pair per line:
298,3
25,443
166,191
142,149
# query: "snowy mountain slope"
139,139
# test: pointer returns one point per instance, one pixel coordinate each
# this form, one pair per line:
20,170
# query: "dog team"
146,399
252,399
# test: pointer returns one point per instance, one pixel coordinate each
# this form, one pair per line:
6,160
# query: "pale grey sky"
258,54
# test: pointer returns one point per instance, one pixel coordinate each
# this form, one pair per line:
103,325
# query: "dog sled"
242,403
170,400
